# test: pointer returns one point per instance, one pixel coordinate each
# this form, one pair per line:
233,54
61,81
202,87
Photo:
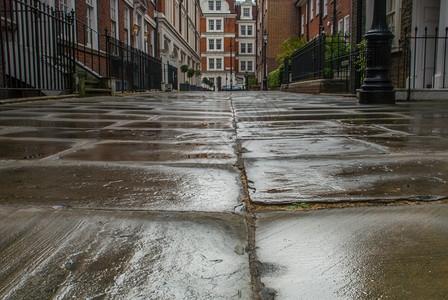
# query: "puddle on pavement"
306,147
30,149
317,116
50,123
130,108
122,134
79,116
370,253
409,143
154,152
181,125
119,186
422,129
50,110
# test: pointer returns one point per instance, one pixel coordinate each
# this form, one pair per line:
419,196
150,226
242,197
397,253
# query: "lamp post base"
265,84
376,97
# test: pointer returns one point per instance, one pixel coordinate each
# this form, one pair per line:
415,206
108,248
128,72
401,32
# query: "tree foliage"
289,46
184,68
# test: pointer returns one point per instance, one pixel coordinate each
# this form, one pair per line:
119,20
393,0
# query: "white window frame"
214,22
249,15
312,9
92,22
66,5
114,19
325,8
303,24
394,11
211,64
139,38
246,47
241,30
215,61
246,29
212,6
250,46
340,25
244,66
251,63
214,43
218,8
127,24
347,24
243,48
251,29
317,7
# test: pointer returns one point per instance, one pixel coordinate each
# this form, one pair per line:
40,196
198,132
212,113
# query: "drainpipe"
359,22
308,20
321,11
156,39
335,13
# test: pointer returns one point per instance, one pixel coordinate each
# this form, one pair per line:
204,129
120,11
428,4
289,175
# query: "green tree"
184,69
289,46
190,73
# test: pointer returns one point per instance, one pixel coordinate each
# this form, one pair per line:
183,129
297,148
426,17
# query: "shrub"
252,81
274,77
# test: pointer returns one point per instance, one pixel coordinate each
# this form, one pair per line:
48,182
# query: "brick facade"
232,20
331,17
280,19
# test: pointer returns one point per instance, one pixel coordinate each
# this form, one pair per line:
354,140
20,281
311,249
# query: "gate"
36,48
172,76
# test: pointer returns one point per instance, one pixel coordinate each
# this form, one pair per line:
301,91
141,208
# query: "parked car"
234,88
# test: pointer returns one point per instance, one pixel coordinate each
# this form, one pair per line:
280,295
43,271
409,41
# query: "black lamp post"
265,43
231,67
378,87
246,77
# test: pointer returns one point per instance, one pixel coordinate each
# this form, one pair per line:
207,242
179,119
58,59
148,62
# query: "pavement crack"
250,217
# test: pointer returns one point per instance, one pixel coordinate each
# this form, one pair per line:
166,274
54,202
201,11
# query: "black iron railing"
419,61
90,46
325,57
427,56
36,47
133,69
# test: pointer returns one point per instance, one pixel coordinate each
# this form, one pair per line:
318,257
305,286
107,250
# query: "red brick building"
328,16
131,22
228,41
218,33
280,18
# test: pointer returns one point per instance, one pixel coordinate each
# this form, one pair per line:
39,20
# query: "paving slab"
355,253
347,179
120,186
64,254
328,149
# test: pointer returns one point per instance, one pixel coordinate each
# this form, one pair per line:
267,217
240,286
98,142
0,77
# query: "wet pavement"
183,196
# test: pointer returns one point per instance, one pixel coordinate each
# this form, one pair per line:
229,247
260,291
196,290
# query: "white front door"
425,15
